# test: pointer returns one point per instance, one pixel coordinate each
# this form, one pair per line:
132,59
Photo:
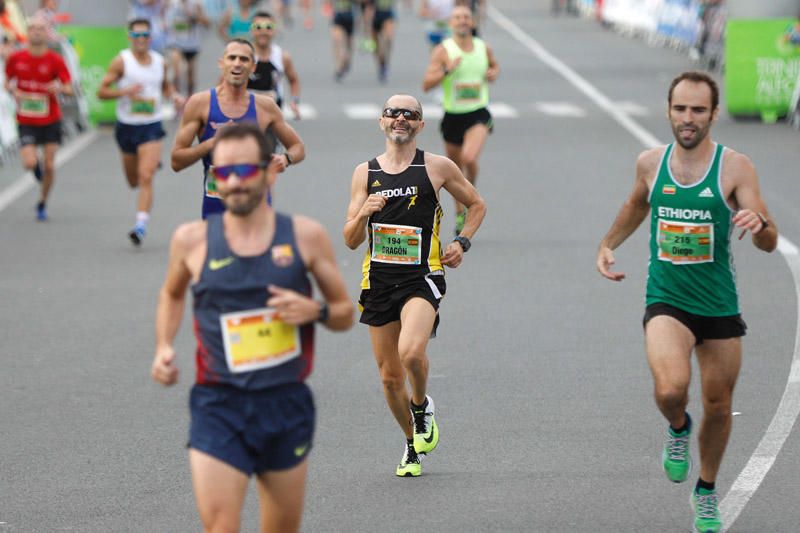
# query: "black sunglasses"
408,114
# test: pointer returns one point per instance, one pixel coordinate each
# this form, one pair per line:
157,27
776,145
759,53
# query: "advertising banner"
96,46
637,15
680,20
762,60
8,115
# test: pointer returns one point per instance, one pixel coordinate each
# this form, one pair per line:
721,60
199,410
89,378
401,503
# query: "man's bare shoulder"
648,161
439,162
267,103
736,162
307,228
190,235
197,104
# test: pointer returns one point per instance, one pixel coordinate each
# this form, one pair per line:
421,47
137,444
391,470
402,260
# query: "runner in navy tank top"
227,103
251,412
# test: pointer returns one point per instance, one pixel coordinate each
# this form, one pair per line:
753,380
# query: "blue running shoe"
136,235
41,212
37,171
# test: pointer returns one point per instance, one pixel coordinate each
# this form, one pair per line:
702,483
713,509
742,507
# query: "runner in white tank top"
140,78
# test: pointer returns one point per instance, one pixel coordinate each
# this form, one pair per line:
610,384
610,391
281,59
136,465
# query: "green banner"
96,46
762,63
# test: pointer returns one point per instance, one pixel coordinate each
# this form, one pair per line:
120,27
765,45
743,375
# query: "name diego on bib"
685,243
258,339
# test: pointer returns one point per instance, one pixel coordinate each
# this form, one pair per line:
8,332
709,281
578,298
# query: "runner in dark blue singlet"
251,411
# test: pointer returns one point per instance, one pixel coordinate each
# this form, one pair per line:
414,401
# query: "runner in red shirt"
35,76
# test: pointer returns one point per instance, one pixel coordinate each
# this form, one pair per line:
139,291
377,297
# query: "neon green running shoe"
675,459
426,432
705,505
410,465
460,218
369,45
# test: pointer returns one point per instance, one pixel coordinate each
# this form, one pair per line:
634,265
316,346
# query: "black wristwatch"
324,312
288,159
464,242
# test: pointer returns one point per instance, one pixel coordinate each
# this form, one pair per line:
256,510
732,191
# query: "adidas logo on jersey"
706,193
376,183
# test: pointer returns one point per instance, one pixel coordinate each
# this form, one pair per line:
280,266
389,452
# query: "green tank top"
691,264
466,88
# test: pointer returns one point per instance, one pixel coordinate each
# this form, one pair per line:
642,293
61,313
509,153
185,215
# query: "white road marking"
434,111
307,112
502,110
601,100
560,109
764,456
362,111
754,472
633,109
26,181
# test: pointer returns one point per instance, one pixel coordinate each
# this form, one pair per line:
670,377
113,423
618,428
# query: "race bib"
467,92
181,26
257,339
685,243
34,105
143,106
211,185
400,245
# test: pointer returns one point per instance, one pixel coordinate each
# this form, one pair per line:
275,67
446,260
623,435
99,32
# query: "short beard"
700,135
245,208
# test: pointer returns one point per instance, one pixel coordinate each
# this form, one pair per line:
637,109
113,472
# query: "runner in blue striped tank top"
208,111
254,319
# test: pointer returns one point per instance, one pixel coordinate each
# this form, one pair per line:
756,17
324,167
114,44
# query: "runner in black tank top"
394,205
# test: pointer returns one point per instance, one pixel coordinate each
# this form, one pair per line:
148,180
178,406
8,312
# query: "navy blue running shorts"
130,136
253,431
702,327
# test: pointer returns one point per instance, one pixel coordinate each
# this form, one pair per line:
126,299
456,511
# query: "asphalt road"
542,390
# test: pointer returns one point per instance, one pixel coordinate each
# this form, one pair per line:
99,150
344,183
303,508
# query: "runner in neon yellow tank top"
464,66
698,193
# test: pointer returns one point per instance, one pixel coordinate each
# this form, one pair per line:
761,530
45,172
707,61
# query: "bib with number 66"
258,339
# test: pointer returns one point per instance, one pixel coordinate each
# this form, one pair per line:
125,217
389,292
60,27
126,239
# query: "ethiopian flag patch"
668,189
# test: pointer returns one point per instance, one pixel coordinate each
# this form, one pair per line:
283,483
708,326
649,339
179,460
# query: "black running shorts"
379,306
702,327
455,125
40,135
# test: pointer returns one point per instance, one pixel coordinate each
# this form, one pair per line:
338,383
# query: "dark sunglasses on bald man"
243,172
408,114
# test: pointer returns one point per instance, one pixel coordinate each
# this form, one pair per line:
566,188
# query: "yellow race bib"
258,339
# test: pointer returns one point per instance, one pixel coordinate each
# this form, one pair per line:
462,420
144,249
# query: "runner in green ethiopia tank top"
691,265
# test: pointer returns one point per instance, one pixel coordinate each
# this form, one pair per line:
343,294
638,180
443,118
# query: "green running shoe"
675,459
460,218
410,465
426,432
705,505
